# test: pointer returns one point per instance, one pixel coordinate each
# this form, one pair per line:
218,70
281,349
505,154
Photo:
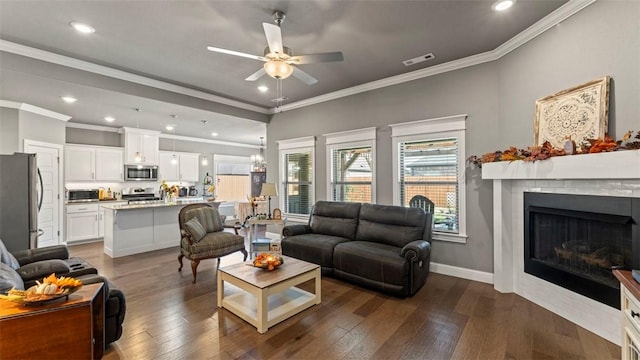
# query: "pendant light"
137,157
174,158
205,159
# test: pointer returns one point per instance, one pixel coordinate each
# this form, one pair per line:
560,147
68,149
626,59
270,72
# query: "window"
351,165
296,176
429,161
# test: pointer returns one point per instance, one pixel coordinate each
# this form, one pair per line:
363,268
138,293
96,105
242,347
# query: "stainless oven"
83,195
140,173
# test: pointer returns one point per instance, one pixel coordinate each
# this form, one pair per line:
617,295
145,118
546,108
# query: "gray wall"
471,91
8,130
40,128
17,125
499,98
93,137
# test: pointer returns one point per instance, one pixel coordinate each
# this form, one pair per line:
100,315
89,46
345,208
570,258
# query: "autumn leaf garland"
629,142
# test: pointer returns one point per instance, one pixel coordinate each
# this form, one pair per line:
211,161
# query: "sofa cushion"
207,216
195,229
44,268
7,258
374,261
391,225
315,248
335,219
9,279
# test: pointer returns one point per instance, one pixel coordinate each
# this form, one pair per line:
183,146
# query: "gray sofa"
386,248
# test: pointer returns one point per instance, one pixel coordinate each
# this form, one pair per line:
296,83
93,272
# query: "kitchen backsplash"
118,186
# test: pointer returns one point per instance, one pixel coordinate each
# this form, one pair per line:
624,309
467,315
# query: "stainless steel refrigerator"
20,199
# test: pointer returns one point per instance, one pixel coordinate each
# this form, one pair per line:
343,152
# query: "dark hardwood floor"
168,317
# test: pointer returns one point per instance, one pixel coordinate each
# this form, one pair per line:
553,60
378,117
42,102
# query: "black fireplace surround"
574,241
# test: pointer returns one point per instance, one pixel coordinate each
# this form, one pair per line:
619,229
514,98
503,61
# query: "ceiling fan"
279,60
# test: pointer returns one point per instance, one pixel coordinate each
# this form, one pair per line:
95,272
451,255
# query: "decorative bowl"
268,261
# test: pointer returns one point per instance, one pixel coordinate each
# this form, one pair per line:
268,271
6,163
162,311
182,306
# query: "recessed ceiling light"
170,127
69,99
109,119
214,134
502,5
82,28
263,88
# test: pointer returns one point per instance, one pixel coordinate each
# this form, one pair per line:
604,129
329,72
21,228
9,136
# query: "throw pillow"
7,258
208,217
195,229
9,279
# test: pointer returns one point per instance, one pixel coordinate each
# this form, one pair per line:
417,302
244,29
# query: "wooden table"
63,329
269,297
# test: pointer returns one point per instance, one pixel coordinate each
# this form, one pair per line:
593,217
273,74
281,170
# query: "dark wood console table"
63,329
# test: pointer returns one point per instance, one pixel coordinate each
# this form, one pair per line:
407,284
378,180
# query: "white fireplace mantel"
607,174
609,165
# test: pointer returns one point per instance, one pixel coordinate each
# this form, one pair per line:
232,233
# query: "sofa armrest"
40,269
292,230
416,250
46,253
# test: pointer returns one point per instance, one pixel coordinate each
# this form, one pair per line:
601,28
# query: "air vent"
419,59
280,99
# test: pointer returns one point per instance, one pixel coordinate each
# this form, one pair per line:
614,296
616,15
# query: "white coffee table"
268,297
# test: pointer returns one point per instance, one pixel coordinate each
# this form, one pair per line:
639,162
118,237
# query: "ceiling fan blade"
317,58
303,76
236,53
274,37
256,75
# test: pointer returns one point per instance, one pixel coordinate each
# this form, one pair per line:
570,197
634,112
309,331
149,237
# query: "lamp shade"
278,69
269,189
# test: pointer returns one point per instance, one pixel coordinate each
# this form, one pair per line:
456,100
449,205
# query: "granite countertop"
178,202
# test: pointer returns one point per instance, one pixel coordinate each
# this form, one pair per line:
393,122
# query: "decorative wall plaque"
577,113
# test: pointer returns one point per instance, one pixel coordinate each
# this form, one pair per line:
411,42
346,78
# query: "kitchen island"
136,228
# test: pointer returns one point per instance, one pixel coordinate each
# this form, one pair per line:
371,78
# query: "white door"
168,170
189,167
109,164
80,163
47,159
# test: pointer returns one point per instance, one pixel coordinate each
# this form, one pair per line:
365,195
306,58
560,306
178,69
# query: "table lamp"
269,190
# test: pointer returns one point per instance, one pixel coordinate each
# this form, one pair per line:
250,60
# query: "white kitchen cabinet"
143,143
109,164
89,163
101,223
82,222
185,169
80,163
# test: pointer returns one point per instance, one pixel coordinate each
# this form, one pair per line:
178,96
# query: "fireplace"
574,241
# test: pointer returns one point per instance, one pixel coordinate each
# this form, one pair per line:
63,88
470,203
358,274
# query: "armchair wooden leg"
180,261
244,251
194,269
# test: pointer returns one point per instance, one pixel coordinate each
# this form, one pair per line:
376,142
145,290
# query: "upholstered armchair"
202,236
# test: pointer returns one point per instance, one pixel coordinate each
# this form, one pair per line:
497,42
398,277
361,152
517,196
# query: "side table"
63,329
253,226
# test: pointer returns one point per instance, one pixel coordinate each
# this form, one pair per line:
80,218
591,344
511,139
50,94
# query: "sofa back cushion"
208,217
335,218
391,225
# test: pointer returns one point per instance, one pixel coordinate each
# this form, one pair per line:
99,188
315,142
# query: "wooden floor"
168,317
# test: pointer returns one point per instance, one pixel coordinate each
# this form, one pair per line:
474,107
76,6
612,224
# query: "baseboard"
463,273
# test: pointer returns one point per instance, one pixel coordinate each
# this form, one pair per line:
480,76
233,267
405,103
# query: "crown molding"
209,141
34,109
92,127
565,11
54,58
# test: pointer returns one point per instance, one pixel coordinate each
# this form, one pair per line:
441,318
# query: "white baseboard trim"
463,273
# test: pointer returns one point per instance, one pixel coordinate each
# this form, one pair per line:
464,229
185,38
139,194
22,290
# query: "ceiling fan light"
278,69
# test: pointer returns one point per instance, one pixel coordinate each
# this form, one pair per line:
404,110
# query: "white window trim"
433,129
292,146
347,139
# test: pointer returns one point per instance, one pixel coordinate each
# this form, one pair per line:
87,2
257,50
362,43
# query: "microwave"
140,173
83,195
